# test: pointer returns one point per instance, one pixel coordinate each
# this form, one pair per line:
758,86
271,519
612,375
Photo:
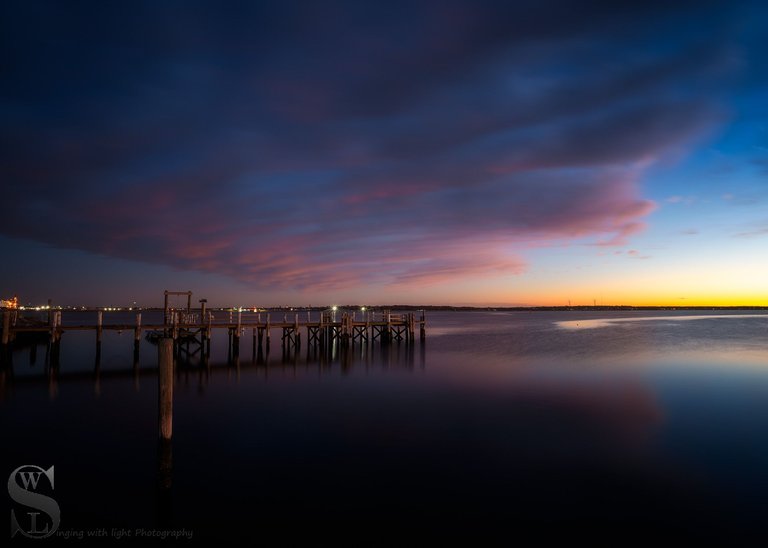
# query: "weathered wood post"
236,334
423,326
165,351
268,330
296,332
55,338
348,328
165,388
208,335
12,331
137,339
6,327
321,331
99,324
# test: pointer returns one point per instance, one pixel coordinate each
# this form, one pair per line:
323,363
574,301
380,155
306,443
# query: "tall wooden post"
165,388
423,326
208,335
236,334
321,331
164,418
99,323
203,303
6,327
137,339
55,338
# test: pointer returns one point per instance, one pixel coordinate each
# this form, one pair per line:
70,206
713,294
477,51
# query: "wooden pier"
195,327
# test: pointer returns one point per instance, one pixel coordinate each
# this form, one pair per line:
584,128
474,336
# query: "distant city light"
12,303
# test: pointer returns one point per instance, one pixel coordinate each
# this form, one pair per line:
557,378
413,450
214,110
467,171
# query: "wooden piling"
99,325
137,340
208,335
165,351
236,335
6,327
12,331
55,338
165,388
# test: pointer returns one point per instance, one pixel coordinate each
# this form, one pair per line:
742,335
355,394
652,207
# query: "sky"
309,153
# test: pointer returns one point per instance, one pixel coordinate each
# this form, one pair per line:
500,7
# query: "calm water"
598,425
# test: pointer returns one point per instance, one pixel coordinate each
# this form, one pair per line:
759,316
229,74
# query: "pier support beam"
137,340
208,335
236,335
6,327
55,338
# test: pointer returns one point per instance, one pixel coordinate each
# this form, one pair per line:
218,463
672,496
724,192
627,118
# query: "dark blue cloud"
293,144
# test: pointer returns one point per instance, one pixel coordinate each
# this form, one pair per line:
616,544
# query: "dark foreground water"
508,428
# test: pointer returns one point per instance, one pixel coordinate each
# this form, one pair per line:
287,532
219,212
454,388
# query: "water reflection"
516,422
193,360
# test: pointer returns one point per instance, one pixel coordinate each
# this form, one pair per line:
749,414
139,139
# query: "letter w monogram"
30,477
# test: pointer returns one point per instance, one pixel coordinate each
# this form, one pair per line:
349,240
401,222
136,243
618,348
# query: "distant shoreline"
435,308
